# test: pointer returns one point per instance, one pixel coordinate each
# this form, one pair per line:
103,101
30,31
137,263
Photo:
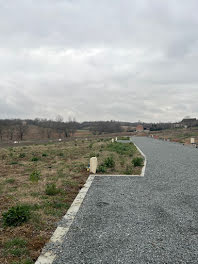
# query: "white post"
112,140
192,140
93,164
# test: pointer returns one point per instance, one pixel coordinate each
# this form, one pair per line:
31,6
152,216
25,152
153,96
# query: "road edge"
48,255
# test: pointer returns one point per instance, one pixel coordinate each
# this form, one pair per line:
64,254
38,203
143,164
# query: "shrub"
35,176
16,215
109,162
35,159
101,168
51,189
61,154
138,161
44,155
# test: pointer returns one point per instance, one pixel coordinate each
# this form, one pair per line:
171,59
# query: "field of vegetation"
38,184
181,135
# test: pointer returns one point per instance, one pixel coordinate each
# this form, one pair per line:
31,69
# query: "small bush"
44,155
101,168
109,162
51,189
22,155
60,154
138,161
35,159
35,176
16,215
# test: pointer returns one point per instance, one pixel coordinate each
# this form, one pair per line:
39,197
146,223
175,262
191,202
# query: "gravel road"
151,219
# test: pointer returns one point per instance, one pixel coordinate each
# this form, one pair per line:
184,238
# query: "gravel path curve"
151,219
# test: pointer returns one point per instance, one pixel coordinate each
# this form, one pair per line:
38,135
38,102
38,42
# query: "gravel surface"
151,219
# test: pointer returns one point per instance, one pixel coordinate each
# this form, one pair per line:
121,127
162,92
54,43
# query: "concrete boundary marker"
48,256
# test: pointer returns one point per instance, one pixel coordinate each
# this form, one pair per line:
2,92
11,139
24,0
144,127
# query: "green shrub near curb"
138,161
109,162
16,215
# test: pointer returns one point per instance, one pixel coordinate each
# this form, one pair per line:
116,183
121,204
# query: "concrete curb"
145,160
48,256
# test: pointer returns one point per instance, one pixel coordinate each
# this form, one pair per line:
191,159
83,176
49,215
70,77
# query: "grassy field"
181,135
39,183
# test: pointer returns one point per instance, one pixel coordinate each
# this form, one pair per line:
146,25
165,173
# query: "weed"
13,163
101,168
35,176
122,161
35,159
128,170
109,162
138,161
44,155
51,189
16,215
11,181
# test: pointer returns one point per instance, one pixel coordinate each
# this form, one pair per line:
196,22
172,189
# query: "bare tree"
11,133
1,133
22,127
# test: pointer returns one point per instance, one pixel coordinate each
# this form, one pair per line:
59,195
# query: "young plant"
51,189
35,176
138,161
109,162
16,215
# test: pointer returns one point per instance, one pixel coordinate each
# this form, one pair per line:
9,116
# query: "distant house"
139,128
189,122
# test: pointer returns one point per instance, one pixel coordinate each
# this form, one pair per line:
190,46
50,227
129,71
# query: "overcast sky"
99,60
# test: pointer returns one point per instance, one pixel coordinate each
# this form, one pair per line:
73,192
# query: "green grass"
123,149
15,247
51,189
10,181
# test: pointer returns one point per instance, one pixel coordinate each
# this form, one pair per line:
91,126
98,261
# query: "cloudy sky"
99,60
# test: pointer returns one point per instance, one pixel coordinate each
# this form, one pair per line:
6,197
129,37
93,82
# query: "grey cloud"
123,60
